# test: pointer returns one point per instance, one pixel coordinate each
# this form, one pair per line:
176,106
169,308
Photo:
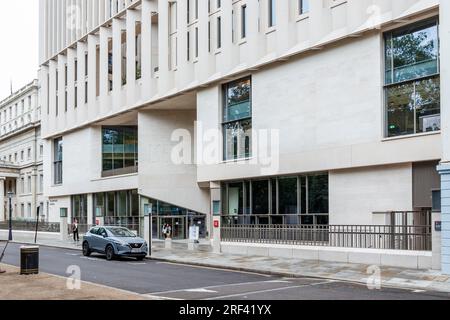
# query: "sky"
19,32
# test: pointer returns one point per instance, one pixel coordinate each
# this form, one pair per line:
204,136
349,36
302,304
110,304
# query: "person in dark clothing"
76,235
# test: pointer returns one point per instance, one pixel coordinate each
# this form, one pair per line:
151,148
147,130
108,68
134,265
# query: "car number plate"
135,250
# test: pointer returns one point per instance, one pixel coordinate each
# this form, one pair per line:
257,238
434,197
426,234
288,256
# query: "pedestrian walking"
76,235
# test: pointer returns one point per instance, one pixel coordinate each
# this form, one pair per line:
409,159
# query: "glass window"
120,148
271,13
412,53
58,158
238,137
303,6
235,199
238,104
79,209
285,200
260,197
412,80
413,107
318,194
287,196
237,126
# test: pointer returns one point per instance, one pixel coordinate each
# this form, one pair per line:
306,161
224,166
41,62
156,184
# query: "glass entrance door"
179,229
177,224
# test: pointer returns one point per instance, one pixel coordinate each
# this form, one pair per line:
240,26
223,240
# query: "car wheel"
109,253
86,250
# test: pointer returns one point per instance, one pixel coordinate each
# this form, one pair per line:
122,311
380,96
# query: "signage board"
194,233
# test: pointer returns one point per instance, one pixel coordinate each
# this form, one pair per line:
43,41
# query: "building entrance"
180,226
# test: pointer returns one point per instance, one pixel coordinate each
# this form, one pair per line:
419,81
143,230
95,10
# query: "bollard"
168,244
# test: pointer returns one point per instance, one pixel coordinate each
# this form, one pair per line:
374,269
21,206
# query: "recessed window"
412,89
303,6
244,21
120,150
57,161
271,13
237,120
295,200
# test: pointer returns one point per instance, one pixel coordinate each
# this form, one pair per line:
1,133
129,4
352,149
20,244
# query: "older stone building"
21,154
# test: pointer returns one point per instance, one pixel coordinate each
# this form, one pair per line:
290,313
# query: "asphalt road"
174,281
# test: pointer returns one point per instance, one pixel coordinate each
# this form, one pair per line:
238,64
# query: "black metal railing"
31,226
345,236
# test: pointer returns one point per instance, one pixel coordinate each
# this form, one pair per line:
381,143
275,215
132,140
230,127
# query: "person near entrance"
167,231
75,231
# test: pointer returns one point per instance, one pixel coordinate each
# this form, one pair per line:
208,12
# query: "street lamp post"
10,195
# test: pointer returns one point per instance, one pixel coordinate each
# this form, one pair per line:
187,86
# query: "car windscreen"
121,233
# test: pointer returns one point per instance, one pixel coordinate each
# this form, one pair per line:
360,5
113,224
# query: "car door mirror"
104,235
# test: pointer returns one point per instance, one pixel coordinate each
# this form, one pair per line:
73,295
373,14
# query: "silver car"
114,242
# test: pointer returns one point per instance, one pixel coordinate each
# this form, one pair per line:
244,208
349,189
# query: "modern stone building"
21,154
314,124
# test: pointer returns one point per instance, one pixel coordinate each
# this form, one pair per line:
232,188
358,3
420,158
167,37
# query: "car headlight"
120,243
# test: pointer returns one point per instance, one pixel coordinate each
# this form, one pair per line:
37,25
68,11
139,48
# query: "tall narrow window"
209,36
196,9
412,89
219,32
188,11
75,102
244,21
110,65
303,6
271,13
86,65
57,98
123,59
138,49
188,46
86,92
76,70
57,161
196,42
237,120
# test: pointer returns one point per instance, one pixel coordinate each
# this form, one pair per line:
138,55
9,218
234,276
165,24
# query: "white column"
2,199
118,26
444,167
132,16
105,34
92,75
146,48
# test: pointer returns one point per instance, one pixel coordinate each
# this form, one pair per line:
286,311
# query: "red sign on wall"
216,224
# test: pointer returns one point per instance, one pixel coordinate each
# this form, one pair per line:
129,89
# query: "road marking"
202,290
279,281
268,290
419,291
137,263
73,254
212,287
159,297
92,259
214,268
